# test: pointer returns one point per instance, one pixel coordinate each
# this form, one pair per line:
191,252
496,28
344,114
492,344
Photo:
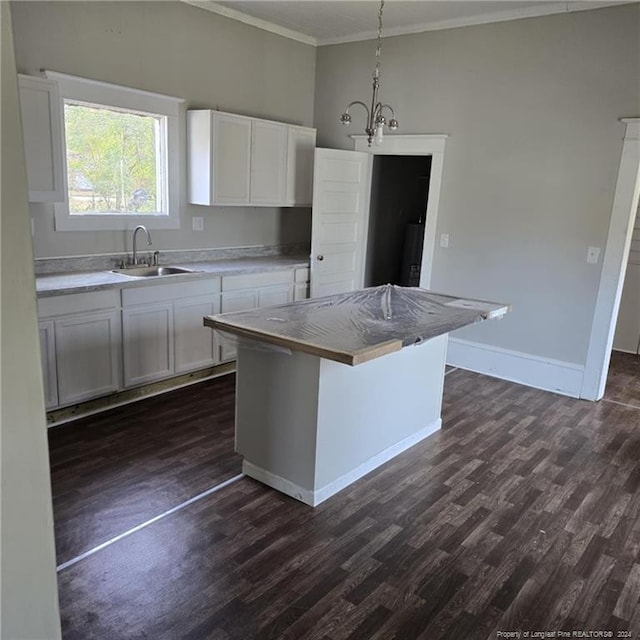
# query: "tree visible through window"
114,160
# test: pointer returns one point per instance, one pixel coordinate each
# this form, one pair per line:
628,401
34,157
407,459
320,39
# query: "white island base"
308,426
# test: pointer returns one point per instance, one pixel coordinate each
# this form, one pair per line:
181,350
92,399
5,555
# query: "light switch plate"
197,223
593,255
444,240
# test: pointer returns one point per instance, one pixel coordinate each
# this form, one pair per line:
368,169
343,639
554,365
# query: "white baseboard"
278,482
630,351
315,497
533,371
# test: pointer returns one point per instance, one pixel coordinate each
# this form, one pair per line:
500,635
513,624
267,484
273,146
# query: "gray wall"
29,604
179,50
532,107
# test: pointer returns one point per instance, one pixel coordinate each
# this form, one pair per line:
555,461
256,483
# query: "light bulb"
379,135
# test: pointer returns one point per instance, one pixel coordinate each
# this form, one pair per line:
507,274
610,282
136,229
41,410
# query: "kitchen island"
330,388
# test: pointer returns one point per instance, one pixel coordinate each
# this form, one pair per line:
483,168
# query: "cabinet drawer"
256,280
162,292
78,302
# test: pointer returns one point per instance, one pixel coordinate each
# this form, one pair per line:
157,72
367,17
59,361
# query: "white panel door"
268,162
87,355
627,335
339,221
194,343
148,343
48,358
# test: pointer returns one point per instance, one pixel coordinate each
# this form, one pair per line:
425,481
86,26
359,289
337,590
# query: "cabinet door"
87,355
235,301
269,296
231,159
42,132
48,359
301,286
148,343
195,345
268,162
300,147
301,291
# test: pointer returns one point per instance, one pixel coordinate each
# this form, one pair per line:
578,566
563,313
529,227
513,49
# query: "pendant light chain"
379,43
376,120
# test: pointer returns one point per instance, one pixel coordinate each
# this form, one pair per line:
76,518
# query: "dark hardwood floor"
117,469
623,381
523,513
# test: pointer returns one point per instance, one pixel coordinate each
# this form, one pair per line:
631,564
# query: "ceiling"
320,22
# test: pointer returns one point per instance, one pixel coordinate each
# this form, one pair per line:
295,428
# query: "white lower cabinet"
234,301
249,291
147,333
96,343
195,344
80,343
301,286
88,362
163,333
269,296
48,357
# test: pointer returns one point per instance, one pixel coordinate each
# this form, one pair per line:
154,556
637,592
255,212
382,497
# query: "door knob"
320,258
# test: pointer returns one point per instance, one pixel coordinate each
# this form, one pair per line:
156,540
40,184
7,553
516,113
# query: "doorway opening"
627,335
397,217
625,205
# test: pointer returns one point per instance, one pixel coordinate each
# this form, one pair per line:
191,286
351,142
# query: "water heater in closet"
412,254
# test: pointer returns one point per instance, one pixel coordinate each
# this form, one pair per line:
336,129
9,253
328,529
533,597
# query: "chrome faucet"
135,232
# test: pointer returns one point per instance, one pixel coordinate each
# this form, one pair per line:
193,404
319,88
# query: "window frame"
136,100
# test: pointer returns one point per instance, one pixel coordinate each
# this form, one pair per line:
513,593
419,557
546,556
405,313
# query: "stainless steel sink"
151,272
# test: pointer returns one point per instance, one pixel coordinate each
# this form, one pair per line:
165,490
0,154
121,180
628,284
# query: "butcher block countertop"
355,327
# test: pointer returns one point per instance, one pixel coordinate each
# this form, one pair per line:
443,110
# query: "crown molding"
543,9
214,7
549,8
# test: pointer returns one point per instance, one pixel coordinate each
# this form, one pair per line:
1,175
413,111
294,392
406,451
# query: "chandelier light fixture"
376,119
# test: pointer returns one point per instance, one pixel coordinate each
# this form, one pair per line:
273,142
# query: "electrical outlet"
593,254
444,240
197,223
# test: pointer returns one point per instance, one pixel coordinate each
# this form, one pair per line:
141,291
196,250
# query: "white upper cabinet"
237,160
268,162
231,159
219,150
42,132
301,144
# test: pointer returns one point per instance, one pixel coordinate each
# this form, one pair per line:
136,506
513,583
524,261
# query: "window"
121,156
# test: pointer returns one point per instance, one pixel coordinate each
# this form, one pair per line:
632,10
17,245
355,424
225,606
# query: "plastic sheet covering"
356,323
